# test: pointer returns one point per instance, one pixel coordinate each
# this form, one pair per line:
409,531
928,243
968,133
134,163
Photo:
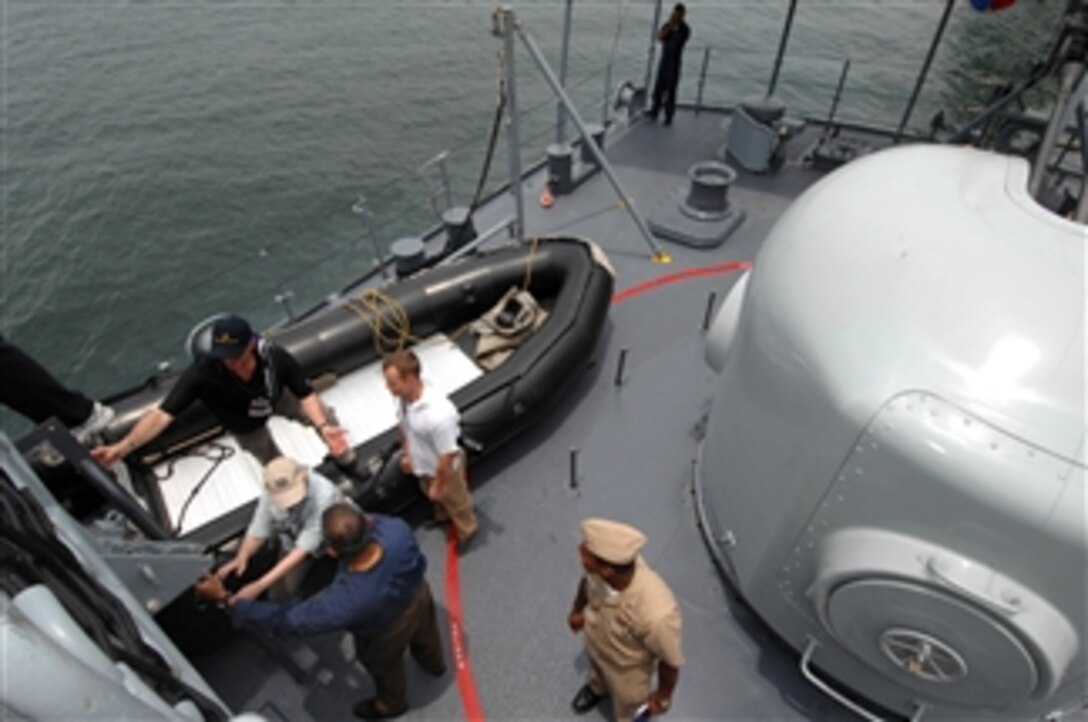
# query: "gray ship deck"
637,446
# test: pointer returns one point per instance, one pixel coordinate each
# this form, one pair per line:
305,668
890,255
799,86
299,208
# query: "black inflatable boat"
570,283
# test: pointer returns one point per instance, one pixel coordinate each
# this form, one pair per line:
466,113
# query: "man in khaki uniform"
631,623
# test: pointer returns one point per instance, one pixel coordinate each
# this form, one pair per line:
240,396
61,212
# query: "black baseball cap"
230,337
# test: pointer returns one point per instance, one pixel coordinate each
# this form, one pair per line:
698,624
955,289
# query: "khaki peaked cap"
612,541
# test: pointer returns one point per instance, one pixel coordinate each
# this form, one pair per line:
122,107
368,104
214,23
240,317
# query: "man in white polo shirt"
429,428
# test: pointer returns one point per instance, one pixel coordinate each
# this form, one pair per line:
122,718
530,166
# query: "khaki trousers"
416,630
628,691
456,504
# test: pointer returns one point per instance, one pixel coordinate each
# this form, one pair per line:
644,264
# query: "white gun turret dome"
912,341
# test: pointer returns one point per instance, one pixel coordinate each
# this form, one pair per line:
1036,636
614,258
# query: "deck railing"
716,76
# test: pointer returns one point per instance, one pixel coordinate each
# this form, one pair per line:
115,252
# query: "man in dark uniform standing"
243,383
673,36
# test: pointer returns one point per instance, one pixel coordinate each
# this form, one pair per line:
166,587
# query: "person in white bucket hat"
290,513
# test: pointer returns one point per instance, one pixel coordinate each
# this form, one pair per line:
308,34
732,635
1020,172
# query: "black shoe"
649,115
371,708
668,121
585,700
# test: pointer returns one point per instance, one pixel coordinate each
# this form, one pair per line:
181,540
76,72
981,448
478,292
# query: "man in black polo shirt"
243,381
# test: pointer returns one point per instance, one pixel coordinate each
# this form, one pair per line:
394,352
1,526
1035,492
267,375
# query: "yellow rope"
529,263
389,323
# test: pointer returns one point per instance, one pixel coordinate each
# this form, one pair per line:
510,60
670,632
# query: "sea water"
166,161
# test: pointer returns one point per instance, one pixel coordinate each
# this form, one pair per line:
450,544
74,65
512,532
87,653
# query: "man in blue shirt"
379,595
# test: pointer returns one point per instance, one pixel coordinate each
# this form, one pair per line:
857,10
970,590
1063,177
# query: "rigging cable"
390,324
225,452
621,14
496,127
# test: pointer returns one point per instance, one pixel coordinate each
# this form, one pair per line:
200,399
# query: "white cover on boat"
363,406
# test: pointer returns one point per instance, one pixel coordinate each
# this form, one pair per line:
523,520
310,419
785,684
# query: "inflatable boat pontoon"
552,295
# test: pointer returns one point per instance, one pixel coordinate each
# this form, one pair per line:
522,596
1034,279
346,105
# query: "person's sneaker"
96,423
585,700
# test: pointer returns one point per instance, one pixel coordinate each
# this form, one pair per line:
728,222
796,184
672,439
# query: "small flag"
985,6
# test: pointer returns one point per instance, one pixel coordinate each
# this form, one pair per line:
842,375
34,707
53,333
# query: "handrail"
819,684
786,27
941,573
506,23
702,78
710,92
923,73
386,219
391,217
654,25
732,49
920,708
383,221
513,26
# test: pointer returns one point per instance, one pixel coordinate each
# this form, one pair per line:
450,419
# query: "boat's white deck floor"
362,404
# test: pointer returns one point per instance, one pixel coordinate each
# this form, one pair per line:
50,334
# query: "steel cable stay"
223,453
